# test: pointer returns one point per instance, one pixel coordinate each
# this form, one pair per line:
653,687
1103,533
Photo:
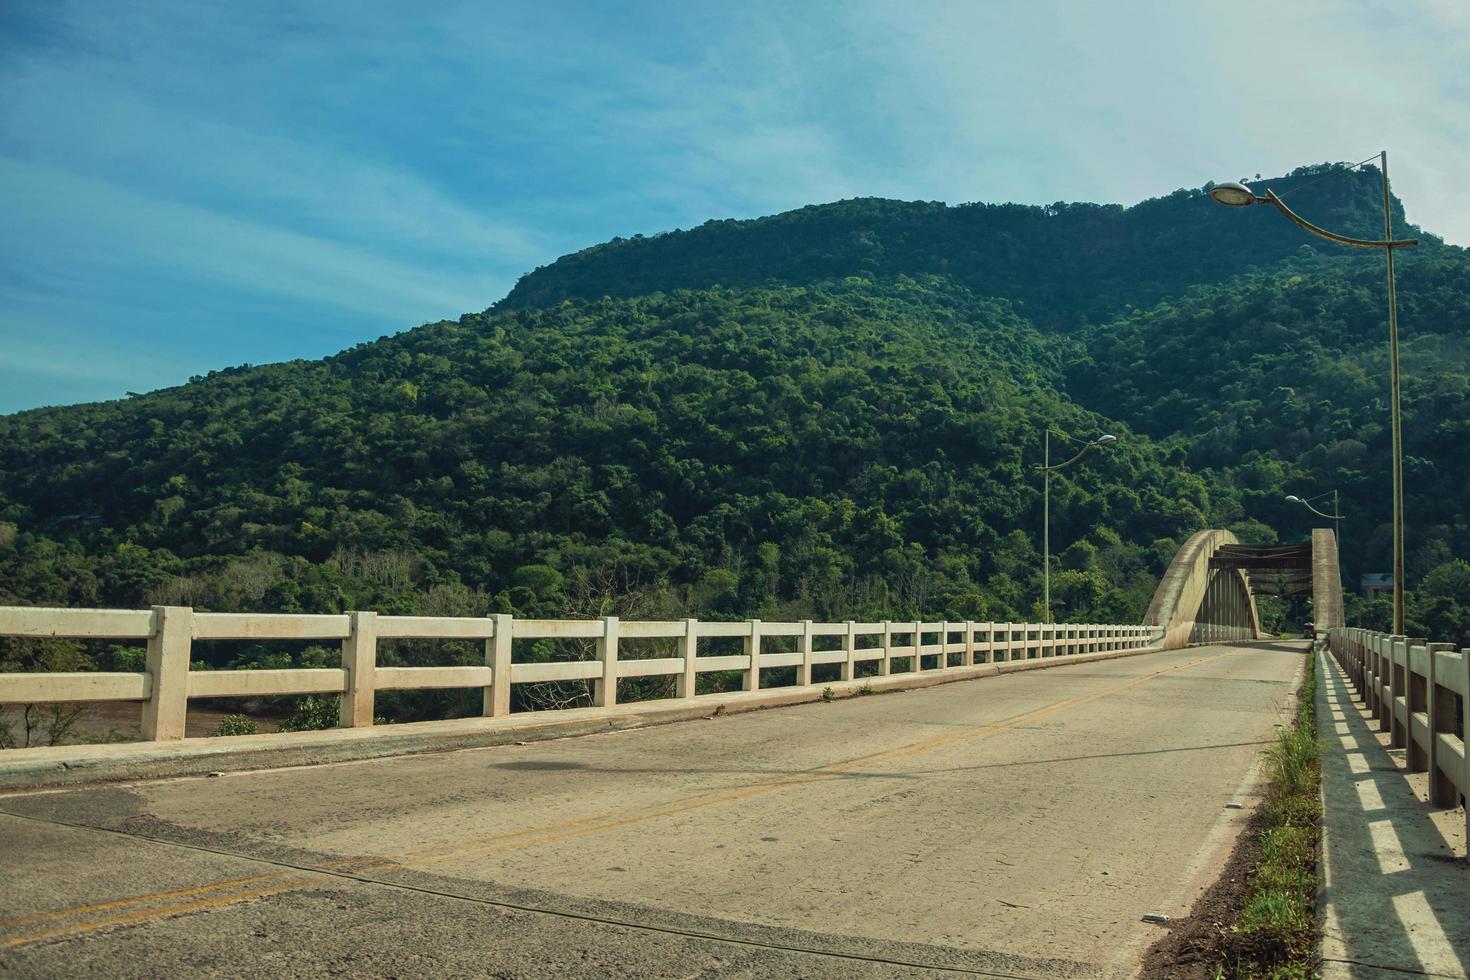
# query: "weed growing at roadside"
1277,925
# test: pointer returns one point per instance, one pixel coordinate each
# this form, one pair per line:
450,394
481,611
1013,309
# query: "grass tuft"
1276,935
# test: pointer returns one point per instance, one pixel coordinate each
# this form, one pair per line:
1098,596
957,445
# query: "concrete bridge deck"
1014,827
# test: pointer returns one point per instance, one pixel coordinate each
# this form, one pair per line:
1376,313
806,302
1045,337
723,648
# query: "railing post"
969,643
689,649
1465,728
359,661
497,658
918,660
167,706
752,679
605,690
1428,756
805,677
885,665
849,647
943,644
1385,686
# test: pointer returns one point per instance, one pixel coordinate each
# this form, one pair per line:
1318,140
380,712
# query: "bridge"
1016,802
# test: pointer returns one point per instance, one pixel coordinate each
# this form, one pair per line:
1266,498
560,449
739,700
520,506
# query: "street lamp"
1335,517
1047,470
1234,194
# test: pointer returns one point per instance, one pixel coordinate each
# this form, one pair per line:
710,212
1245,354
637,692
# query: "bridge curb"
72,765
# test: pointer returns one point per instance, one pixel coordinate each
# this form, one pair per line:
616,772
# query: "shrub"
237,725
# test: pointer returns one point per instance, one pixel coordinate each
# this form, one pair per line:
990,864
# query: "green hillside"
1278,383
850,451
1062,265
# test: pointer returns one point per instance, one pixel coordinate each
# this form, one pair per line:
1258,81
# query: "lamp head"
1105,440
1293,499
1233,194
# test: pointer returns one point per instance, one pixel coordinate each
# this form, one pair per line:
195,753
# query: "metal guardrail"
1419,692
168,682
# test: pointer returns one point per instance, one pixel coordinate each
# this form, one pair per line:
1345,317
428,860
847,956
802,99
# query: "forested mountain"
842,451
1062,265
834,413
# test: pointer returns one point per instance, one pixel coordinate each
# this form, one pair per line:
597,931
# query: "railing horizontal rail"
268,626
424,678
263,683
111,624
432,628
168,683
60,687
566,670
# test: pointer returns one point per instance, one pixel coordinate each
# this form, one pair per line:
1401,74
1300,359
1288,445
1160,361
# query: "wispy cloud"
92,220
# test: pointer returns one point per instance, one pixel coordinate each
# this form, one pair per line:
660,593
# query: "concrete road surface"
1014,826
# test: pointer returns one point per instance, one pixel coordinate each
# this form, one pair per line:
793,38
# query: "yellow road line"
144,915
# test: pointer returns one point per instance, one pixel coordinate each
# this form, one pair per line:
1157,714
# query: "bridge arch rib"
1199,603
1326,581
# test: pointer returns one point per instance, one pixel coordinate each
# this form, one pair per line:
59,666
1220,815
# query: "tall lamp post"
1047,470
1238,195
1335,517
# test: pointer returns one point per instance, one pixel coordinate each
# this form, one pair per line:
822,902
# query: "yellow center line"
544,833
144,915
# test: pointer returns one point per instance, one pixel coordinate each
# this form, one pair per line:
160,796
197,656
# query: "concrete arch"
1326,581
1199,604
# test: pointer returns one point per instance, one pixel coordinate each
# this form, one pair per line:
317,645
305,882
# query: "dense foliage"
850,451
830,413
1062,265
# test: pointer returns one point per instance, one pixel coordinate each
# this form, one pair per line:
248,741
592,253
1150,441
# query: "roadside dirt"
1194,945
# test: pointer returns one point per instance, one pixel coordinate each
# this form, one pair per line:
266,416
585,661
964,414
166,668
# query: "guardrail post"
805,677
1428,698
752,680
497,658
359,661
1385,687
885,665
943,644
969,660
849,647
168,665
1464,786
689,650
605,689
1402,669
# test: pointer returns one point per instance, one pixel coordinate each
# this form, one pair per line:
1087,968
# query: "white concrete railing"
167,684
1419,692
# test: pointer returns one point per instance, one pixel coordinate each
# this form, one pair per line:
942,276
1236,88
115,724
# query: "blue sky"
187,186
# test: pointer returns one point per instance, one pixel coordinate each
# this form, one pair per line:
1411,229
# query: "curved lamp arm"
1061,466
1330,517
1298,220
1099,443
